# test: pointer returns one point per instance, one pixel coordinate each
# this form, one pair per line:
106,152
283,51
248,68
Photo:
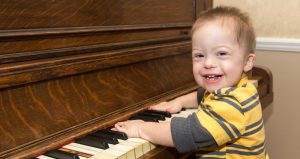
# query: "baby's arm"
161,133
158,133
186,133
175,105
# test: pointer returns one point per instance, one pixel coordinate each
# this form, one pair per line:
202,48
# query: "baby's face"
218,59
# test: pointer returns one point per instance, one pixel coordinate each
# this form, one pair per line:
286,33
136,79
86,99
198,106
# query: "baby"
229,121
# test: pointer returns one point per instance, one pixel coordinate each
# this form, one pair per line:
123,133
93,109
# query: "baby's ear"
249,62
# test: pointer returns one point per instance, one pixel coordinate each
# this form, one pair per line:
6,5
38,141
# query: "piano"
69,69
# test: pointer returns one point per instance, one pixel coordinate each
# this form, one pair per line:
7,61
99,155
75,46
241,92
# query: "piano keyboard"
108,144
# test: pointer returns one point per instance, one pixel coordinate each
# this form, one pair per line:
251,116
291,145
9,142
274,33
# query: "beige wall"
271,18
282,118
278,19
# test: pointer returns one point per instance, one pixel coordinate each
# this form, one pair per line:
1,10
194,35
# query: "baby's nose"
209,62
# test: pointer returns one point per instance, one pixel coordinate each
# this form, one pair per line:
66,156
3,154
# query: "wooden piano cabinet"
69,68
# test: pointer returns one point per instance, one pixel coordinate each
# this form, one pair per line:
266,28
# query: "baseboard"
277,44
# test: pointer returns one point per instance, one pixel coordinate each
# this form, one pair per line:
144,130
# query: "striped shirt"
233,117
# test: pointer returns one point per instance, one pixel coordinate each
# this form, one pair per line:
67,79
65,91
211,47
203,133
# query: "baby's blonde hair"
242,26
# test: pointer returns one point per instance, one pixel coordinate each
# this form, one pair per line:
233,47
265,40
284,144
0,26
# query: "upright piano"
71,68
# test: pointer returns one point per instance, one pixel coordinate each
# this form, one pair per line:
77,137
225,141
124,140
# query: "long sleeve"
188,134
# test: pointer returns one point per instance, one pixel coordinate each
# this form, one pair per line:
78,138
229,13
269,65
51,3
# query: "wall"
271,18
282,117
275,19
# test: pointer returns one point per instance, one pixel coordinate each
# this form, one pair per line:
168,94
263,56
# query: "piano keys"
124,148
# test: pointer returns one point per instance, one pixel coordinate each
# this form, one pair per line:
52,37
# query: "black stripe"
201,105
246,148
254,124
228,132
219,92
236,106
230,97
253,131
250,99
253,105
246,153
215,94
230,90
237,132
244,85
200,94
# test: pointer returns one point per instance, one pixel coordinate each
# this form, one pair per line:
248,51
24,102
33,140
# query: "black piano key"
166,114
94,142
144,118
105,138
61,154
116,134
107,135
183,109
157,116
97,139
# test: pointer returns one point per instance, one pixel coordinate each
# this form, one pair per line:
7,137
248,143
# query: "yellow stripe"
213,127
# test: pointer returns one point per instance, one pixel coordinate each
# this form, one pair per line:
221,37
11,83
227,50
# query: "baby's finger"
157,108
160,107
119,127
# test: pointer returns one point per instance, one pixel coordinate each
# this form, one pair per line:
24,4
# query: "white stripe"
278,44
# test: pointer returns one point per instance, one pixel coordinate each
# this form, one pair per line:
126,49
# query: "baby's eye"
222,53
198,55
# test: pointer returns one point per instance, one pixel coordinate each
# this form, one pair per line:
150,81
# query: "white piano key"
110,154
145,144
130,153
44,157
103,156
167,120
80,149
86,147
138,147
152,146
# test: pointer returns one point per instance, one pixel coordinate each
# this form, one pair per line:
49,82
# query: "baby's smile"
212,78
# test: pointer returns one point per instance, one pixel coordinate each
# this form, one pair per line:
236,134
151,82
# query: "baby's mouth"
212,77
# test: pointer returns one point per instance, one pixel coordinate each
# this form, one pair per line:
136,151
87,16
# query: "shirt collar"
242,83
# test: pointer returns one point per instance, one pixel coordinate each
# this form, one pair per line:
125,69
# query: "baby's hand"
172,106
130,127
